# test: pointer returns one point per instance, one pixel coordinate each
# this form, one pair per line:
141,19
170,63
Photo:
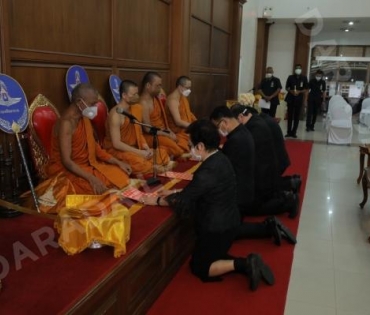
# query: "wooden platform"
92,282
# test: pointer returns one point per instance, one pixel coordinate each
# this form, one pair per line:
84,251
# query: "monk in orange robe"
178,111
78,165
76,153
125,140
154,114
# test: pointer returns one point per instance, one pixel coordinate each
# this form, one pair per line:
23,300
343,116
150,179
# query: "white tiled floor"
331,267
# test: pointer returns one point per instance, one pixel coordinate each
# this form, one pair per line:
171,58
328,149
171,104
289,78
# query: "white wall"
280,54
315,8
248,46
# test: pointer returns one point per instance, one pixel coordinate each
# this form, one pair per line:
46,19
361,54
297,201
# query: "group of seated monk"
79,165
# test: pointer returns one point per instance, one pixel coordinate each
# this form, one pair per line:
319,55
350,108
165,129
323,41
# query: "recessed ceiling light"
346,30
351,23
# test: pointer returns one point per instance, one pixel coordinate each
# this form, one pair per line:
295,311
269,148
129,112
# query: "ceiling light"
346,30
351,23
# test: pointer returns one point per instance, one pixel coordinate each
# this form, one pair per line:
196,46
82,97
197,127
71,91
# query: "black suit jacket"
210,196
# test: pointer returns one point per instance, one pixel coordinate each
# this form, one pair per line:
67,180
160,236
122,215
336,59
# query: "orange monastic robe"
185,115
132,135
158,119
88,154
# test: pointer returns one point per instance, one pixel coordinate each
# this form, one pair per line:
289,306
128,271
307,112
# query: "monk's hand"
97,185
172,136
147,154
125,167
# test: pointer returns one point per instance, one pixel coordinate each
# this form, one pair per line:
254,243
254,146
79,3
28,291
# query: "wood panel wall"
41,39
263,31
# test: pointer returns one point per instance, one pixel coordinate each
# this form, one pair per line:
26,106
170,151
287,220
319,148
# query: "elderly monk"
178,111
154,114
76,154
125,140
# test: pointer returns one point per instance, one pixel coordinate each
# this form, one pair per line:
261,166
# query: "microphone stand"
154,132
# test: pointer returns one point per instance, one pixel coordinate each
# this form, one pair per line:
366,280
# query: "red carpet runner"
188,295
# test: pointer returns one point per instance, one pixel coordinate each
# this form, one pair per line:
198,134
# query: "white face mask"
298,71
268,75
318,78
186,93
195,156
223,133
90,112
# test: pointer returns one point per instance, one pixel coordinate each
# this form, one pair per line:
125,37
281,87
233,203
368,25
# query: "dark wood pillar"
302,45
263,29
180,35
235,50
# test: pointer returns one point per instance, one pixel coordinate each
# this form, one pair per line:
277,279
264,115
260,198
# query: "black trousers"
313,107
210,247
271,111
294,111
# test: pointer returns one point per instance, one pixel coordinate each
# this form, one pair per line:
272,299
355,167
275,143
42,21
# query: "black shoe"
288,135
257,270
294,136
295,184
308,129
285,232
293,205
253,271
272,226
265,271
312,128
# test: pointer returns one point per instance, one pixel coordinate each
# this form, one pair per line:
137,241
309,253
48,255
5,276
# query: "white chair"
340,124
365,112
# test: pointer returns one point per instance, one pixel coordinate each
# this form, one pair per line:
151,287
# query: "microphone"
124,113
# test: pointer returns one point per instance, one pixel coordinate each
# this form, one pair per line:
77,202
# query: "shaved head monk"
90,169
154,114
125,140
178,111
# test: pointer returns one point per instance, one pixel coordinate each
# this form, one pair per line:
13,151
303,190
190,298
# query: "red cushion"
99,121
43,120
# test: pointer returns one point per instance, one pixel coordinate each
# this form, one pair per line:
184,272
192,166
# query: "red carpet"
46,281
188,295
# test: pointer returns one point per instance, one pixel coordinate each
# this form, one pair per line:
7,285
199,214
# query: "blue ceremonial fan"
13,105
114,83
75,75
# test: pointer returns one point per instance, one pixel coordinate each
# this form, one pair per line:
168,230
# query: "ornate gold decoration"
39,154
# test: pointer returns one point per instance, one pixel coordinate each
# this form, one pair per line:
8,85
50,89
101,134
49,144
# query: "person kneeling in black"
240,149
211,198
269,197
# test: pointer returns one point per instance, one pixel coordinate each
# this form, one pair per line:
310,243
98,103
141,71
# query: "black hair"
238,109
297,65
319,72
221,112
182,80
79,91
148,78
204,131
125,85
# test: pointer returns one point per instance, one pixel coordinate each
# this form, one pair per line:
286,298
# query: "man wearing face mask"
125,140
178,111
316,97
211,199
240,149
297,87
154,114
269,89
76,154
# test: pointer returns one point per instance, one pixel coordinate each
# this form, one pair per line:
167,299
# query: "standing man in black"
269,89
297,87
316,96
